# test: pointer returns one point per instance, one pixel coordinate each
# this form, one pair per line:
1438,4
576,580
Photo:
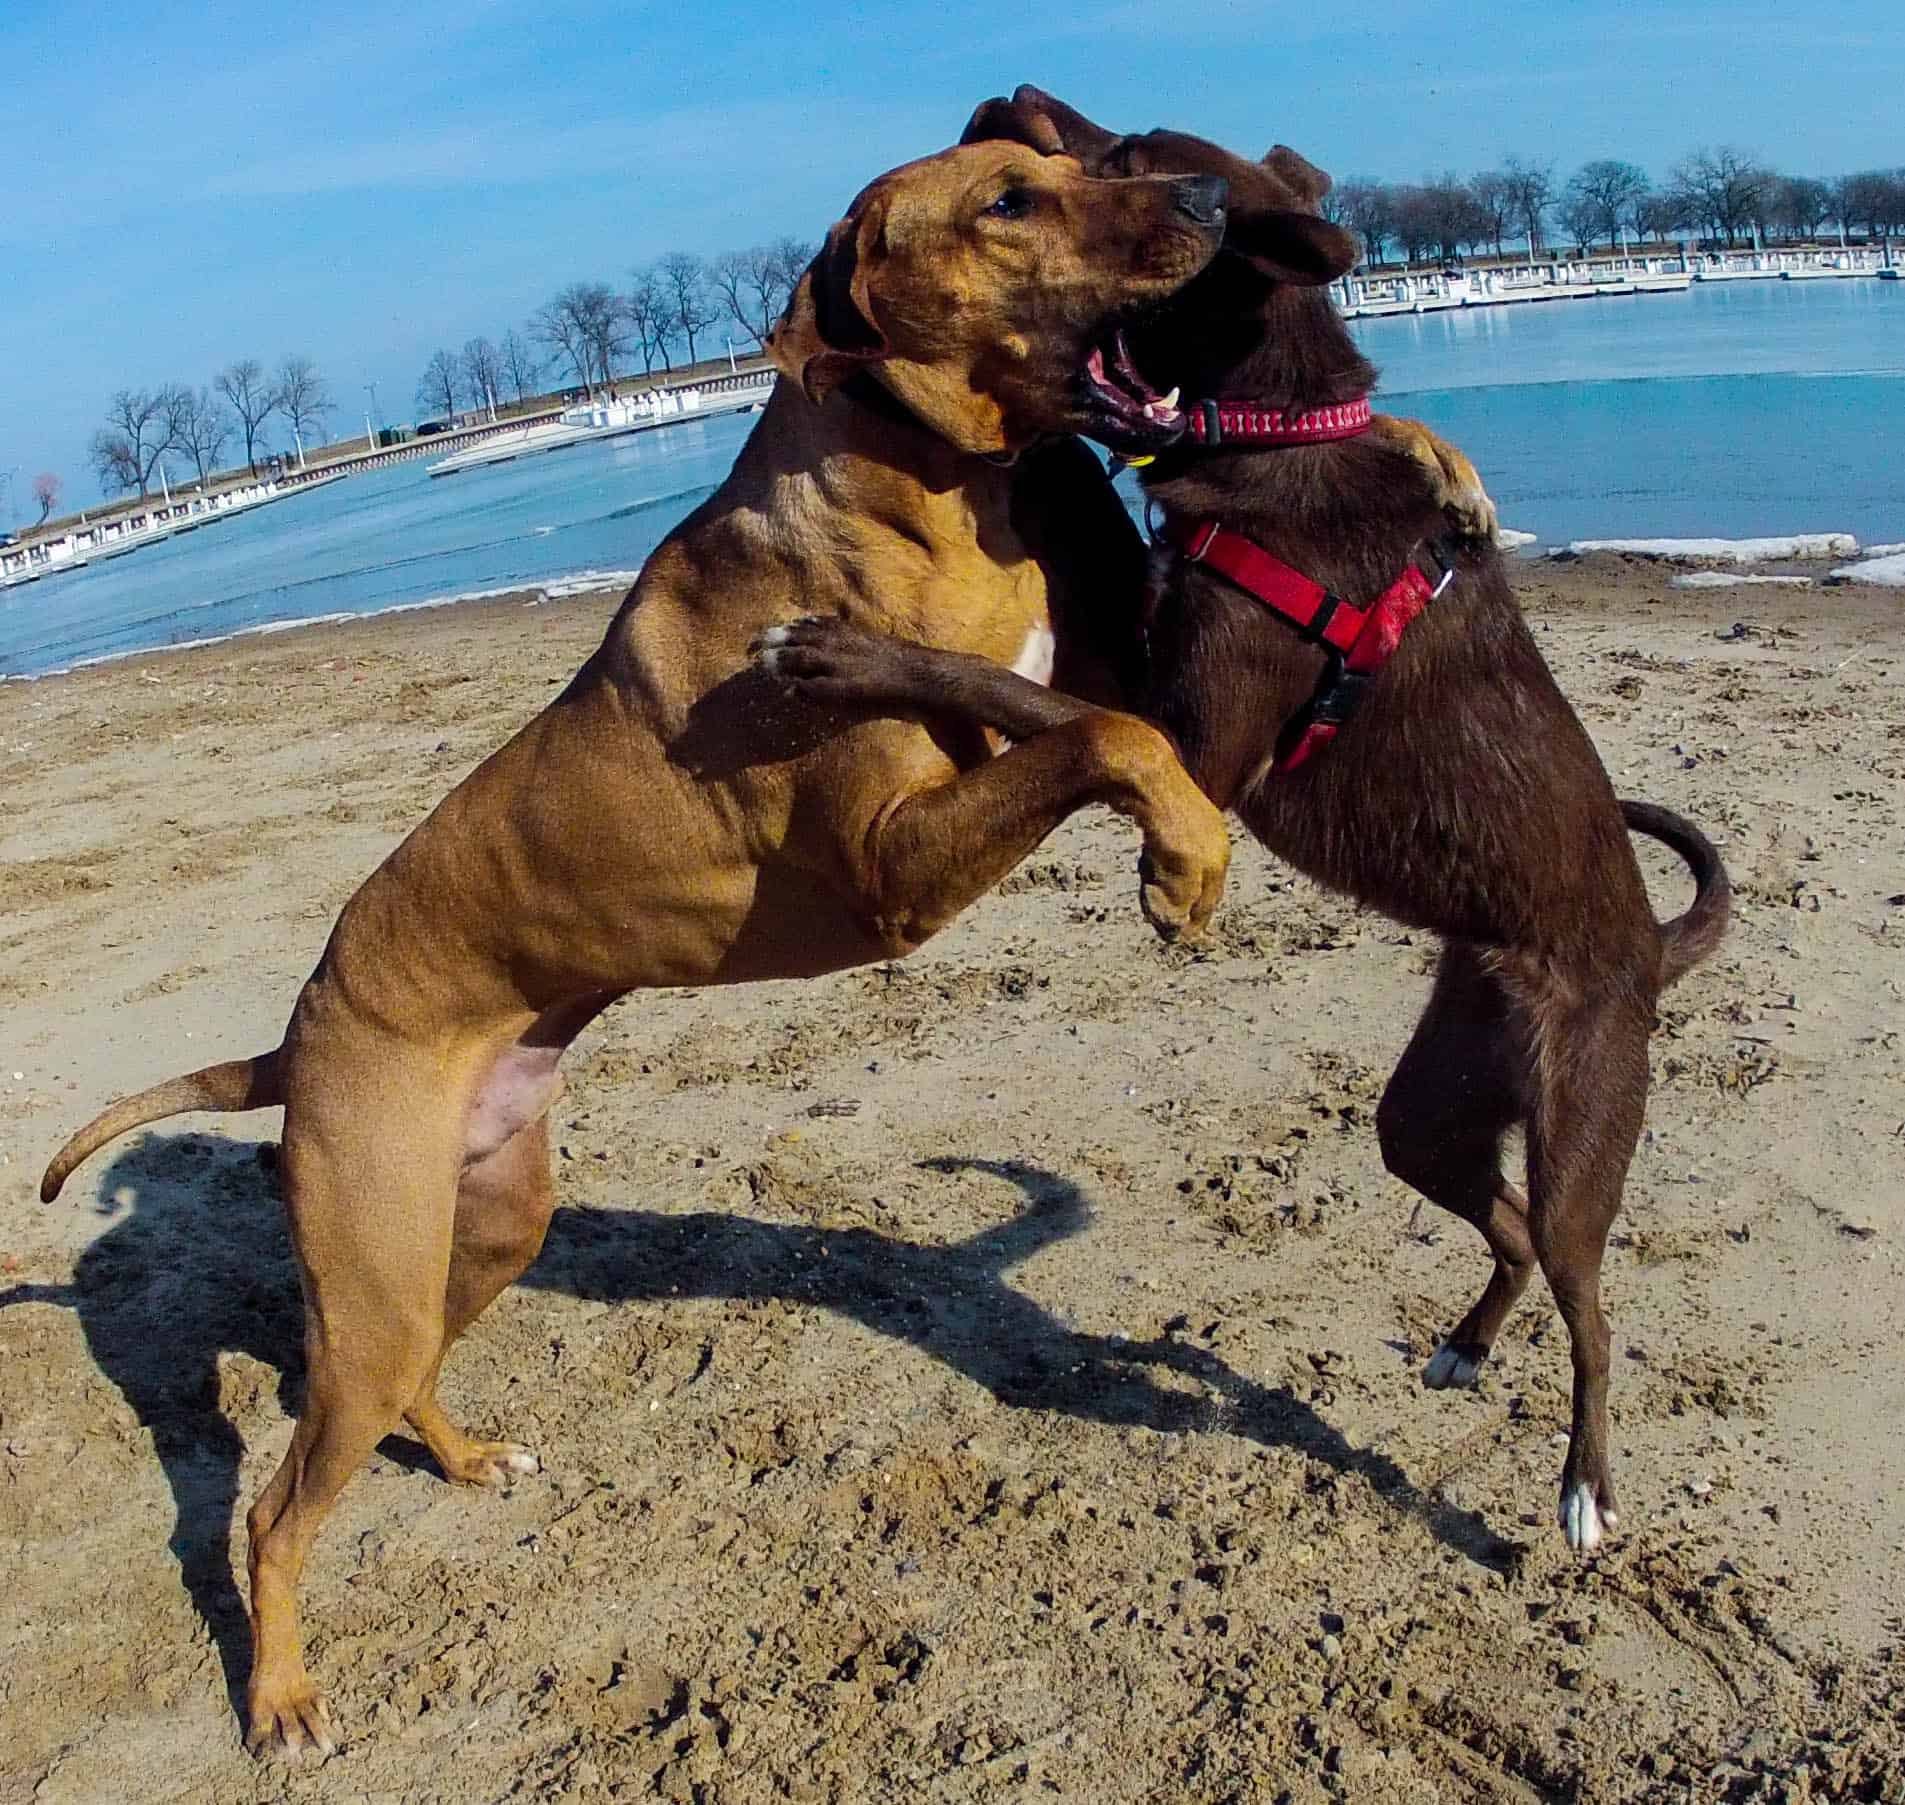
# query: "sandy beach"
994,1375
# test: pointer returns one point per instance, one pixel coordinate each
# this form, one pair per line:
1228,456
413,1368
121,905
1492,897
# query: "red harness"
1357,641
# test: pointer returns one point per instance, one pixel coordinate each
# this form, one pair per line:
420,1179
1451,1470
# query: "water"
1733,410
394,538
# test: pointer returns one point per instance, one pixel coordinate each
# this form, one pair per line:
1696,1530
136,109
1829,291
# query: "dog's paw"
289,1722
1584,1519
495,1464
1181,880
829,659
1451,1367
1454,480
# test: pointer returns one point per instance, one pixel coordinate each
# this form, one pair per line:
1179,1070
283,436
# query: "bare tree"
440,385
728,280
770,286
482,371
115,462
1801,205
304,398
555,326
46,491
253,400
584,325
203,427
1724,191
1874,201
1369,210
606,321
1530,193
520,364
790,257
141,427
1493,194
647,309
692,307
1660,215
1601,199
1439,216
1578,218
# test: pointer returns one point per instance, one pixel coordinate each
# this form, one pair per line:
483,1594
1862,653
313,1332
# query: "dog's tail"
237,1084
1688,938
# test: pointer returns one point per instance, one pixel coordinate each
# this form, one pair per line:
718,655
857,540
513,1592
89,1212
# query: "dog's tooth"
1169,403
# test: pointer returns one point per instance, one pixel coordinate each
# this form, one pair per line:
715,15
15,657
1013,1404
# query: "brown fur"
1465,798
672,818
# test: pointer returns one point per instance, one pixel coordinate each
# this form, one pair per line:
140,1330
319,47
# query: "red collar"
1227,422
1358,641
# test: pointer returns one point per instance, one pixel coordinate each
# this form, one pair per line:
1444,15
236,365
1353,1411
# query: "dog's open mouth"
1131,405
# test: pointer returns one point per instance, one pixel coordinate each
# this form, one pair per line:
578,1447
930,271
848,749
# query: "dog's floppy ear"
829,330
1044,124
1309,182
1293,247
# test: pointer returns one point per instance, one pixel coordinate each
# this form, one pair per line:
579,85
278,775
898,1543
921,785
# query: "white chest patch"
1035,656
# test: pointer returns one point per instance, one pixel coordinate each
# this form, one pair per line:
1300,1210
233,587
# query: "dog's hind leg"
1457,1091
1591,1074
370,1175
503,1205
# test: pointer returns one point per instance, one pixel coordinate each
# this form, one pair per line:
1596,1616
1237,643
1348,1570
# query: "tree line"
146,426
590,332
1712,197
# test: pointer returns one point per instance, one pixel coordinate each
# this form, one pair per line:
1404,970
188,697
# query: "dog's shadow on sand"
197,1264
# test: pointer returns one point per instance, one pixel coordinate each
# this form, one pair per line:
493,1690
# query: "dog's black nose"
1201,197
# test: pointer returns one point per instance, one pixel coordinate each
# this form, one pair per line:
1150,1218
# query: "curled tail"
1688,938
237,1084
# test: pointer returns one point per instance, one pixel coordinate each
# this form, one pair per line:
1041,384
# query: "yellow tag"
1139,463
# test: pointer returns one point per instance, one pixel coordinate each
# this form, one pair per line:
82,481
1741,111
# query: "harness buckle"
1338,694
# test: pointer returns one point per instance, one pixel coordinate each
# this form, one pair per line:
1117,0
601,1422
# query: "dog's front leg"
826,659
932,852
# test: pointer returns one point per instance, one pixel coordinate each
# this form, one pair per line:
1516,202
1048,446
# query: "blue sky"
188,183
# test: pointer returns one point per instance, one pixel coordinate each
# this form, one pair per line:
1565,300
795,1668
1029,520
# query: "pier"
593,422
1377,296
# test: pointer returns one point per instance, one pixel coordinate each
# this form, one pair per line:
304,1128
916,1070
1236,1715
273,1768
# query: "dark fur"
1465,798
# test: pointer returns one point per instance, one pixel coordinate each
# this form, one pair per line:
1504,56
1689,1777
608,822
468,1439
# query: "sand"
983,1377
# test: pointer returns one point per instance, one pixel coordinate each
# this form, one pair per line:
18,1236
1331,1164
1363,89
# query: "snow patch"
1798,546
1735,579
1888,571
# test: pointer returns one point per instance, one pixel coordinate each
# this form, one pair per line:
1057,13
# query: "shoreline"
585,582
1742,560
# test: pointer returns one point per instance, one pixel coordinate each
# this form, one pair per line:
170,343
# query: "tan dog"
668,820
673,819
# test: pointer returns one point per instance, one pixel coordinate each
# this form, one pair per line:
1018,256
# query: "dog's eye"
1015,203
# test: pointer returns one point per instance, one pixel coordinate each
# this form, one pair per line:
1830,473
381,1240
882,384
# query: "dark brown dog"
1464,797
